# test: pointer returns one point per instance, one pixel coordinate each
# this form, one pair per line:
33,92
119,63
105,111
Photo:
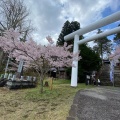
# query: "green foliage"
103,45
29,104
90,59
90,62
67,29
61,89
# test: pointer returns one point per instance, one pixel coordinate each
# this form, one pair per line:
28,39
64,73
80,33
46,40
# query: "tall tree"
103,45
116,55
67,29
90,60
13,14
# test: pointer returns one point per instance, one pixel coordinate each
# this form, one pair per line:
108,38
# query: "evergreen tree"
67,29
90,59
103,45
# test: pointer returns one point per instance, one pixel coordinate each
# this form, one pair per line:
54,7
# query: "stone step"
117,83
105,69
105,79
105,76
117,68
107,83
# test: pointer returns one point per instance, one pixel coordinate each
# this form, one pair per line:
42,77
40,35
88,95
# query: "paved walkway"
100,103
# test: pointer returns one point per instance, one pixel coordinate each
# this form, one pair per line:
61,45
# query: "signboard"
20,66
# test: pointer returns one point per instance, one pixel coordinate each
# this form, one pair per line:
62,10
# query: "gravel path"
100,103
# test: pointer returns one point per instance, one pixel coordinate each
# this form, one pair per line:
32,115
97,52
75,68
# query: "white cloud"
114,4
85,11
48,16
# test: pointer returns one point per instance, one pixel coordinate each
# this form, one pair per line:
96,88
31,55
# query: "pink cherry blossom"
116,55
37,56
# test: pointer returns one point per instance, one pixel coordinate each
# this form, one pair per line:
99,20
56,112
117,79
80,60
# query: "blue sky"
48,16
106,12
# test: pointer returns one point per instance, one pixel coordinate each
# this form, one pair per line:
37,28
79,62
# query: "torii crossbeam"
105,21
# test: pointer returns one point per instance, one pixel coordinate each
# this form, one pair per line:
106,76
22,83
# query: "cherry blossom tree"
116,55
37,56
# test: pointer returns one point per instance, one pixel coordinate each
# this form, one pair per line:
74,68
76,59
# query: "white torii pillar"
105,21
74,73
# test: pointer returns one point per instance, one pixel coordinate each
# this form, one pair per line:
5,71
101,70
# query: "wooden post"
51,83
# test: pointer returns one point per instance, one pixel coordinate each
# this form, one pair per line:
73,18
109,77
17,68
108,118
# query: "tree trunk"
41,76
1,59
101,52
41,85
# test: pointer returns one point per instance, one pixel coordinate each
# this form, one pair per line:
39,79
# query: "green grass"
29,104
61,88
59,99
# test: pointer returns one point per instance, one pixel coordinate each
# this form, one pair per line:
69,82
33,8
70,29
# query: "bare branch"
14,14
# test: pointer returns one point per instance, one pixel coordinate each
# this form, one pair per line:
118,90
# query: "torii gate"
100,23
